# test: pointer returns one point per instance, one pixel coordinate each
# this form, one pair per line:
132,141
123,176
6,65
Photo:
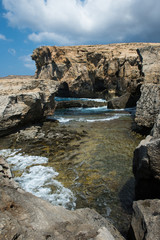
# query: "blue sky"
28,24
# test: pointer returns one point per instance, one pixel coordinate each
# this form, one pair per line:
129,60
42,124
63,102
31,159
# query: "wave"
58,99
38,179
85,119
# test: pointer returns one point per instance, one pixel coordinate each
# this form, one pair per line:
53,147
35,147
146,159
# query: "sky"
28,24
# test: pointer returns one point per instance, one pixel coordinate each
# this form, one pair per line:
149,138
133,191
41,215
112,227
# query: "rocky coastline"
122,74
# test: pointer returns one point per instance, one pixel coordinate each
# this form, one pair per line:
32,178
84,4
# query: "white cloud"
28,63
12,51
2,37
76,21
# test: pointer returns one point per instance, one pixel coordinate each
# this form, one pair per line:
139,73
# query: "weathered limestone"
146,167
24,101
24,216
99,71
146,220
146,161
148,106
150,57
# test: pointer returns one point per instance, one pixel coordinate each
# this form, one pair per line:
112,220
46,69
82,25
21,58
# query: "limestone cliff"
24,101
99,71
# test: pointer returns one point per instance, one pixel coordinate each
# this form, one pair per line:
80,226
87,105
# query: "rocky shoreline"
26,101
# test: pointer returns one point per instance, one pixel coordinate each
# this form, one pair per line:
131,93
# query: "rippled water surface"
95,172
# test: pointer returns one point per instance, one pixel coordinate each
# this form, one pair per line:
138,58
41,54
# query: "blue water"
58,99
91,114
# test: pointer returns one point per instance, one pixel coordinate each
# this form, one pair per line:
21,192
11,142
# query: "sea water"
95,173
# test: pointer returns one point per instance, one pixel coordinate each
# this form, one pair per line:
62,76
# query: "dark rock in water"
79,104
24,216
145,223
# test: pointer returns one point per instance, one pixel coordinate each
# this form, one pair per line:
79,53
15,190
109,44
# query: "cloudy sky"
27,24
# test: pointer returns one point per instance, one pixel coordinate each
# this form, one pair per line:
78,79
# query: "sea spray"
38,179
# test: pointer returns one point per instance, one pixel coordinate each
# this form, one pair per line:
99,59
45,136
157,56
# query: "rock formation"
146,220
24,216
146,162
146,167
99,71
24,100
148,106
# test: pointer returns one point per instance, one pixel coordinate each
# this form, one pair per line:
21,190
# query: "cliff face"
98,71
24,101
146,162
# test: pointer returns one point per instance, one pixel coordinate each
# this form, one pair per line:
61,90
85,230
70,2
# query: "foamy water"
93,114
38,179
81,99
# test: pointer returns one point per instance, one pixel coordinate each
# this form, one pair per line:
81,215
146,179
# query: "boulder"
24,101
24,216
145,223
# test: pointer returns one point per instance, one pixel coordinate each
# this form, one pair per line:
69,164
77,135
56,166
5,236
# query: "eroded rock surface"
146,162
146,220
99,71
24,216
148,106
24,100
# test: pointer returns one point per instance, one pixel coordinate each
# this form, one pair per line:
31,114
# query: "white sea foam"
82,99
39,180
87,119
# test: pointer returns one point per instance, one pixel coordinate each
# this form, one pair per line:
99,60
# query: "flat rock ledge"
24,216
24,100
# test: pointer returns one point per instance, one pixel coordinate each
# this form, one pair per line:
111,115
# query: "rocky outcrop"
146,220
99,71
79,104
146,161
148,106
150,58
23,101
24,216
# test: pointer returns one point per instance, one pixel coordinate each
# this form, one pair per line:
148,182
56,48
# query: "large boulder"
24,216
24,101
145,223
